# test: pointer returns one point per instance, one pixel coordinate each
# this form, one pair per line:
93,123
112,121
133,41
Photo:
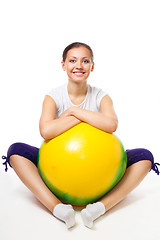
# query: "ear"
63,66
92,68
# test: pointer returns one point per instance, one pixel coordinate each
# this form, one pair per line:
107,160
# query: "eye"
86,61
72,61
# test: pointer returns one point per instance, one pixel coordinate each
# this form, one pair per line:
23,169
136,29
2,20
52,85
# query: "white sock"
66,213
92,212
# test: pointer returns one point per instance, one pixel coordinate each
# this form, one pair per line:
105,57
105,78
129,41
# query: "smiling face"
78,64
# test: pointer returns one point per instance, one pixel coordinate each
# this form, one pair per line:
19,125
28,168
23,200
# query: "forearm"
55,127
96,119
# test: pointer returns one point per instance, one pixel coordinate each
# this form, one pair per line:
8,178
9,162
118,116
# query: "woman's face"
78,64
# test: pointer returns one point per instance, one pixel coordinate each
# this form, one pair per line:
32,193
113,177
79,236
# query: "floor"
23,217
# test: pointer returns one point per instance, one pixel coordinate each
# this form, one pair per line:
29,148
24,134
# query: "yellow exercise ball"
82,164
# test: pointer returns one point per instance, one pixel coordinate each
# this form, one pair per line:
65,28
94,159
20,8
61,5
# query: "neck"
77,89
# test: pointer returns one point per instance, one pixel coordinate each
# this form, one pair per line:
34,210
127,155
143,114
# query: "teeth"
78,73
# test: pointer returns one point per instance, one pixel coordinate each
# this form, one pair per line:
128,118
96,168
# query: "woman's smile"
78,64
79,73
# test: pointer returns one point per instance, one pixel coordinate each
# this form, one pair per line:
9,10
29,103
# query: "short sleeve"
100,94
54,95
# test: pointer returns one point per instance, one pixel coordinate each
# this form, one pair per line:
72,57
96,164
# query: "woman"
63,108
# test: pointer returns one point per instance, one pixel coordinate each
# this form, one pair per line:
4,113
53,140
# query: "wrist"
73,111
75,119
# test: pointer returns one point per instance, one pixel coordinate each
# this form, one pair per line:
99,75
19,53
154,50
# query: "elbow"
45,134
113,127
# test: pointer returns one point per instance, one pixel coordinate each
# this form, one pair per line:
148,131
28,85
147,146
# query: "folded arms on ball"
50,127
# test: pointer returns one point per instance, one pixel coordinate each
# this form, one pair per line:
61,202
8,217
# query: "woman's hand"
106,119
51,127
69,112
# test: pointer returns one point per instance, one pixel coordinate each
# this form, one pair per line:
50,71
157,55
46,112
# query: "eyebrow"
76,57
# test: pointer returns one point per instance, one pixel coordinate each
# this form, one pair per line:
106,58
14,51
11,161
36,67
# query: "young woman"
63,108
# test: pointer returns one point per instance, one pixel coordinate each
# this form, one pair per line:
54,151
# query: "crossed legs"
29,175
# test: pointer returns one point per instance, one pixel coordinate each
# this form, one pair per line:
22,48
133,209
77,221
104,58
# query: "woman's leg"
130,180
23,159
29,175
137,169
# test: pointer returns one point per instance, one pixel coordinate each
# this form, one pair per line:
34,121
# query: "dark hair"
76,45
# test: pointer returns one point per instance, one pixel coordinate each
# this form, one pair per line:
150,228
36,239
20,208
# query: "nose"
79,64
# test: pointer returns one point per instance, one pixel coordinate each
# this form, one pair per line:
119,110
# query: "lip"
75,72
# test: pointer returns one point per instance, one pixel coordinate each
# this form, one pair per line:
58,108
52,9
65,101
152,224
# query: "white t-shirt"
91,102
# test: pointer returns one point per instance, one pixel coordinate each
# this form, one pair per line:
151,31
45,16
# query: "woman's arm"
106,120
51,127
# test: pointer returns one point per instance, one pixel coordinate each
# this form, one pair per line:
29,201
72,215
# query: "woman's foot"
92,212
66,213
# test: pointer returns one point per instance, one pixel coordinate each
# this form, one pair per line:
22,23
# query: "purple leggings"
31,153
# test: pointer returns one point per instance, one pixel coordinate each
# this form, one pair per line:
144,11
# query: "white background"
125,38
